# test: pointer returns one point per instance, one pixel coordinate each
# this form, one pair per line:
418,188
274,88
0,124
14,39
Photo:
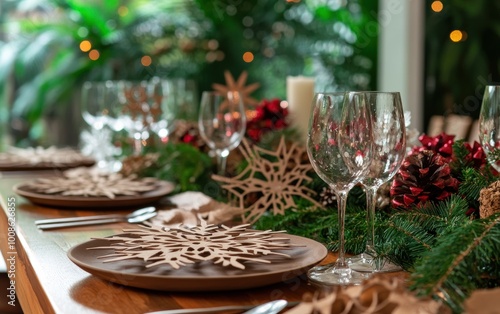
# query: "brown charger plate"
163,189
202,276
9,166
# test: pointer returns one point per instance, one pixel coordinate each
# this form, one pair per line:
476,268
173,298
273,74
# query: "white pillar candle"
300,94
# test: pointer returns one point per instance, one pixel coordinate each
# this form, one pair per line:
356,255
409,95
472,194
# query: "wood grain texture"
48,282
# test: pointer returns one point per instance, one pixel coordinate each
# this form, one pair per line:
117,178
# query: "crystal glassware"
164,109
489,125
389,150
94,109
142,105
97,141
339,148
222,123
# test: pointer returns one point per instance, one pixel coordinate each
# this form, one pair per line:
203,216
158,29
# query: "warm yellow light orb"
456,36
85,45
94,54
123,10
248,57
437,6
146,61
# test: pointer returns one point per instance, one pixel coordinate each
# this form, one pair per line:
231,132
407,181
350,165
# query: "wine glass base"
365,263
330,276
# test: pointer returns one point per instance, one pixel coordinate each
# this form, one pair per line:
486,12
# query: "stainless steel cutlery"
137,216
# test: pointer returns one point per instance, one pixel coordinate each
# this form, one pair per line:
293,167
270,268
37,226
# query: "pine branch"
410,234
459,161
404,242
473,182
463,260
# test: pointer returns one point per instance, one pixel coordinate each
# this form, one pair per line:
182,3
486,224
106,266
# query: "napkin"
190,207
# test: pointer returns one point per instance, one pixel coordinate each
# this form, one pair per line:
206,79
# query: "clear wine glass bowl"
141,112
96,112
222,123
94,109
388,153
339,148
489,125
163,108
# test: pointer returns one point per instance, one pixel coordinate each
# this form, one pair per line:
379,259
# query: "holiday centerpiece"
442,205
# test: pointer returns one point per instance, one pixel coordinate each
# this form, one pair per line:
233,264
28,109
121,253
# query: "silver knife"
226,308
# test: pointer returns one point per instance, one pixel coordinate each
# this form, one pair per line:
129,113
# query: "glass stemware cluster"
355,137
142,110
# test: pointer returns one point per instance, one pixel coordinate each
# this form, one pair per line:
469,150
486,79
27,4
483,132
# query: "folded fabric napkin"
190,207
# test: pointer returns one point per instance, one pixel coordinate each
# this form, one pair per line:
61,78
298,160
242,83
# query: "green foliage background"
42,67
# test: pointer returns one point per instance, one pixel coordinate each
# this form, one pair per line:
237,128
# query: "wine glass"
339,148
94,110
162,109
222,123
489,125
138,111
97,141
389,149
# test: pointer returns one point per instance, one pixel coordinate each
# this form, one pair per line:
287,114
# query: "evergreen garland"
448,254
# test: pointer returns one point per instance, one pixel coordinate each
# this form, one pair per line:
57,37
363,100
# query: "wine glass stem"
341,202
137,144
221,164
371,193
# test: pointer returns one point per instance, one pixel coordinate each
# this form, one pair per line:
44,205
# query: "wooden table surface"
46,281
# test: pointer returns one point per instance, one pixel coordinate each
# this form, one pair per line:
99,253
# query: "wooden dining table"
45,280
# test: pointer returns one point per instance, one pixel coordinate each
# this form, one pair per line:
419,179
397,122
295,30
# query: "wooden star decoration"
138,105
136,98
277,181
155,109
239,86
180,246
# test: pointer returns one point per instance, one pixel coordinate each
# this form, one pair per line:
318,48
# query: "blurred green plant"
42,66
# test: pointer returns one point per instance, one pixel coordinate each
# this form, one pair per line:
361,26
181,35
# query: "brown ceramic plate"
202,276
163,189
9,166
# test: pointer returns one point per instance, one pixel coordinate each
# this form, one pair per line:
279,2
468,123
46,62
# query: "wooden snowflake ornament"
177,247
277,181
39,156
239,86
93,183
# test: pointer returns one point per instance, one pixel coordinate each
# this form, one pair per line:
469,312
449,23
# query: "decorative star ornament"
239,86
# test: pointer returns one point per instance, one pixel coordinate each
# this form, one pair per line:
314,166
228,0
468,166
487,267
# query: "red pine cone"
422,177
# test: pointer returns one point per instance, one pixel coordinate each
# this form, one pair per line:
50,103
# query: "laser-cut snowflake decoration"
93,183
225,246
40,156
278,181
